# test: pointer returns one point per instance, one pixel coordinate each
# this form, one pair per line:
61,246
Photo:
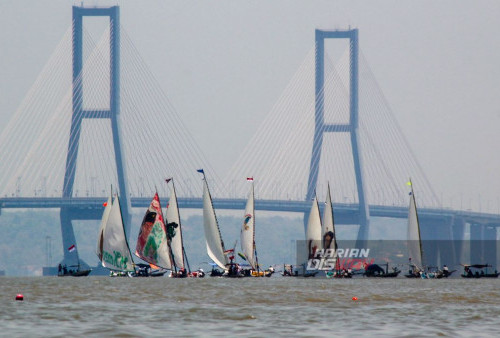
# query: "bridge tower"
351,128
68,214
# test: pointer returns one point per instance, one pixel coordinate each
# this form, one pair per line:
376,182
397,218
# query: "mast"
125,233
253,213
329,236
187,262
176,218
247,231
413,207
169,240
313,234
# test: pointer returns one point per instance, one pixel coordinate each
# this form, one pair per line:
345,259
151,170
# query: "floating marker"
19,296
354,298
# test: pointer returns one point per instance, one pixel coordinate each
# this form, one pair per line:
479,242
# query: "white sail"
414,241
104,221
116,253
172,216
247,235
329,240
313,234
215,245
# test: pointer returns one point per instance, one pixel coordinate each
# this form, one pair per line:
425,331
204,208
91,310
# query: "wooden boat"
415,253
375,270
180,263
247,239
478,271
152,243
213,238
112,245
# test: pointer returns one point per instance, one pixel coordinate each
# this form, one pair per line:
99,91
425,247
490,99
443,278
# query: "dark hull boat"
478,271
375,270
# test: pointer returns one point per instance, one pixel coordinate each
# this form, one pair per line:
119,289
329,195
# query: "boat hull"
79,273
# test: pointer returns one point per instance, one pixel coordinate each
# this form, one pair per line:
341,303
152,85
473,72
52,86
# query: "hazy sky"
437,62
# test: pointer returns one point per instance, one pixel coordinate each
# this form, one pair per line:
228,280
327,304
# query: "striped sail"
115,250
247,234
414,242
104,220
313,234
172,218
152,245
215,245
329,240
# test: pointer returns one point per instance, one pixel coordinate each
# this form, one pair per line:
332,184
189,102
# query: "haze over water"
100,306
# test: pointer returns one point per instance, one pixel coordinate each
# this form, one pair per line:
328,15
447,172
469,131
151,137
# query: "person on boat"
183,273
171,230
201,273
59,269
446,272
312,247
327,239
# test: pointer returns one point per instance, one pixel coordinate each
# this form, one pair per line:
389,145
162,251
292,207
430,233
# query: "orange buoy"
19,296
354,298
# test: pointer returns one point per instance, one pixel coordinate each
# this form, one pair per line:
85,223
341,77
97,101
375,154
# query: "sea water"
285,306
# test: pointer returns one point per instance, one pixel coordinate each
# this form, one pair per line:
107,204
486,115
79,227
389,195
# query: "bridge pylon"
352,127
79,113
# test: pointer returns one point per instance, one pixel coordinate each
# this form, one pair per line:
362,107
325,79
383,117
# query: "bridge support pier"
476,247
458,230
71,258
490,246
79,113
483,245
437,242
352,127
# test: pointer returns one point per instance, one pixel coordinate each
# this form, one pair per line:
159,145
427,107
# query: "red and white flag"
72,248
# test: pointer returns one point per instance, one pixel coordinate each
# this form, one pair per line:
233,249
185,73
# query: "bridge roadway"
87,208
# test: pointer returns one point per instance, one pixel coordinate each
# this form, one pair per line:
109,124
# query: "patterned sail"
104,220
173,224
313,235
329,240
215,245
152,245
414,241
247,235
115,250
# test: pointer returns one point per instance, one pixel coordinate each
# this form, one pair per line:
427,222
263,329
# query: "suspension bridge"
96,117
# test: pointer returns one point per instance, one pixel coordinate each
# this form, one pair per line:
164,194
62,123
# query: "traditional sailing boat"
313,238
329,241
152,245
112,246
174,237
247,237
415,252
213,238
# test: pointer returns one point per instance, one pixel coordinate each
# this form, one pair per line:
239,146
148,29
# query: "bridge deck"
92,207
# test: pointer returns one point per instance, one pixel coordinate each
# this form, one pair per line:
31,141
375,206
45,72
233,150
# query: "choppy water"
103,306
